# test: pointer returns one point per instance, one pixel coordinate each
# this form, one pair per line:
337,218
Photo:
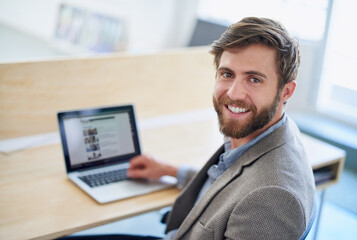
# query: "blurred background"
325,103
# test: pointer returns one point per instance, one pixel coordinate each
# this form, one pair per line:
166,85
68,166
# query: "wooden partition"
32,93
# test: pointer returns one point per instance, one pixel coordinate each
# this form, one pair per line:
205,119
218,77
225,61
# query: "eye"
227,75
255,80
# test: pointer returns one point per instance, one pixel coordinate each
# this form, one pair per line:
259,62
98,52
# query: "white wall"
152,24
307,81
35,17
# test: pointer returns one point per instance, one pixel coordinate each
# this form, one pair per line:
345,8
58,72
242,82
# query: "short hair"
268,32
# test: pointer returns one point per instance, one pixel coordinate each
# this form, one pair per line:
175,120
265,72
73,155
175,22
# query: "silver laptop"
98,144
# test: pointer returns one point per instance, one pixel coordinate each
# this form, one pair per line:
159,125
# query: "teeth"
236,109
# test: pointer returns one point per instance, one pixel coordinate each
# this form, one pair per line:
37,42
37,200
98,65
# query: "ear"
288,90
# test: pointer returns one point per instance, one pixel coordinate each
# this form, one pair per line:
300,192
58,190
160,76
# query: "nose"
236,91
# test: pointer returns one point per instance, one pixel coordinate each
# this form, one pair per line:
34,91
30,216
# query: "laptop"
98,144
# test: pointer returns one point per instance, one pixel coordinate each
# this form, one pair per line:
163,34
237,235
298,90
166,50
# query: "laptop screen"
100,136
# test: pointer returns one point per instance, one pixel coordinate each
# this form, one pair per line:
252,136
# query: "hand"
145,166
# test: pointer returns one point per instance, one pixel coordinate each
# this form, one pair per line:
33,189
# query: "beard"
239,129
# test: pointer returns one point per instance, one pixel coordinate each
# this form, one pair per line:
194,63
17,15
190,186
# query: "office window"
304,18
338,88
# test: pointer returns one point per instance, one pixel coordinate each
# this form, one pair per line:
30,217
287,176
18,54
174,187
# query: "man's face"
246,96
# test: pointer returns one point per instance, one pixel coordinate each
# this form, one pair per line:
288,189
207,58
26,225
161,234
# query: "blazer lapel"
268,143
186,200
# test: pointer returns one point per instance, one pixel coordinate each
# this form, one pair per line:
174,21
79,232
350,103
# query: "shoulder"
272,210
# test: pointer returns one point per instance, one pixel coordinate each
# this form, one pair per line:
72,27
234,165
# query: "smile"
236,109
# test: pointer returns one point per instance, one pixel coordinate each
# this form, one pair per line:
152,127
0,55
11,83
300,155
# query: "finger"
138,161
138,173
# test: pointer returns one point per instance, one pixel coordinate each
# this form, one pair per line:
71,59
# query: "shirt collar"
231,155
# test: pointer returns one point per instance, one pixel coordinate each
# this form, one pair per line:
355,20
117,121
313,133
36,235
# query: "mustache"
225,100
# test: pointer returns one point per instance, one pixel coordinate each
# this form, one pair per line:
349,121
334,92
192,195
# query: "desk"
37,201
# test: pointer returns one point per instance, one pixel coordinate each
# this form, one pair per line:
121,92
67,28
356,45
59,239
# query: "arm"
184,175
267,213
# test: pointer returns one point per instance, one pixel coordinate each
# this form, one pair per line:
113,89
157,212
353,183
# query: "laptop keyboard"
103,178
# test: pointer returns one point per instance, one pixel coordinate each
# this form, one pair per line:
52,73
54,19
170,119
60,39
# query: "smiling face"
246,95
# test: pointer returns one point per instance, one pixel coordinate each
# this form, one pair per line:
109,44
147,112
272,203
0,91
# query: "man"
259,185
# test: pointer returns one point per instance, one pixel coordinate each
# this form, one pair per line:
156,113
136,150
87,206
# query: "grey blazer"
268,193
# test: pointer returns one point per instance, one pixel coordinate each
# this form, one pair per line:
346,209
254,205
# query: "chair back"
311,223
